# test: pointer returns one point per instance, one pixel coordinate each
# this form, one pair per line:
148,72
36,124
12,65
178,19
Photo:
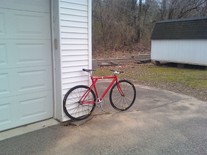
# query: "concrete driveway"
159,123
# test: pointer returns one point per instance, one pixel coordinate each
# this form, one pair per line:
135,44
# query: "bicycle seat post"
90,73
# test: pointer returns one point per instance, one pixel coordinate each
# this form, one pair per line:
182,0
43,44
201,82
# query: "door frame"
56,59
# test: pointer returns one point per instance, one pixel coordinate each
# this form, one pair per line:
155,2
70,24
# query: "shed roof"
180,29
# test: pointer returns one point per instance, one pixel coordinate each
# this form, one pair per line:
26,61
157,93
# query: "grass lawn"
191,82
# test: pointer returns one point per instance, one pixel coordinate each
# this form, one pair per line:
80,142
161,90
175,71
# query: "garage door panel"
33,80
5,111
28,5
4,84
33,25
30,52
4,20
23,107
7,55
21,53
25,80
30,25
33,53
24,24
41,102
3,54
2,23
7,83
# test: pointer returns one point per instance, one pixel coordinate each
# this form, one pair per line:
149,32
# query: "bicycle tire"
122,102
71,103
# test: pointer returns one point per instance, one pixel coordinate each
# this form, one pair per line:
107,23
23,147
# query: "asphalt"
159,123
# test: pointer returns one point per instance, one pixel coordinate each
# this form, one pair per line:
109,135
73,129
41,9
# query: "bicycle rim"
74,108
122,99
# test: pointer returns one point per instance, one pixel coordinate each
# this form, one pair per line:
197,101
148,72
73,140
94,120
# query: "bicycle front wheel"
77,107
122,95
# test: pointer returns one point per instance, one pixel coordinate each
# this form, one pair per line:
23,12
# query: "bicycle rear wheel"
122,95
76,109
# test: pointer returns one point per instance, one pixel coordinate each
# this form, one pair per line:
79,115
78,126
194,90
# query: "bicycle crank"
99,104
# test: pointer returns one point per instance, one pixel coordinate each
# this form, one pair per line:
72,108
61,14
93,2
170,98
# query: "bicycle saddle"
88,70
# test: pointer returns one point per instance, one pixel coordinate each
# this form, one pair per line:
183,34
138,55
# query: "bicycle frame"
94,80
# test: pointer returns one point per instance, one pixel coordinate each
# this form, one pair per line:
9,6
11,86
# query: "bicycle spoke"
118,100
122,101
76,109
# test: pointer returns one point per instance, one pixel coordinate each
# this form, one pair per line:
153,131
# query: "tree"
124,23
177,9
138,37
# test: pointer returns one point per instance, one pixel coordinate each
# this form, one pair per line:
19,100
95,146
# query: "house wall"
72,47
180,51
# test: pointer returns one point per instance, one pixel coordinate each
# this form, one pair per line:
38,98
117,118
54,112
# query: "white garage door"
25,62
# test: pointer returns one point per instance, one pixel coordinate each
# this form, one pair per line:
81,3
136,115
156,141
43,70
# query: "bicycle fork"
120,90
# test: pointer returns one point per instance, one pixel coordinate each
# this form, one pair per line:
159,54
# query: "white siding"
74,42
73,35
180,51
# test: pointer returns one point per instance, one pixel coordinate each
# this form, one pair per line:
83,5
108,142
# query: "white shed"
180,41
44,44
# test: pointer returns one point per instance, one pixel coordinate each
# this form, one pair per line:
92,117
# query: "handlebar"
116,72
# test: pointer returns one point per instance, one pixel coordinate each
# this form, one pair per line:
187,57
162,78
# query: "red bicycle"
80,101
